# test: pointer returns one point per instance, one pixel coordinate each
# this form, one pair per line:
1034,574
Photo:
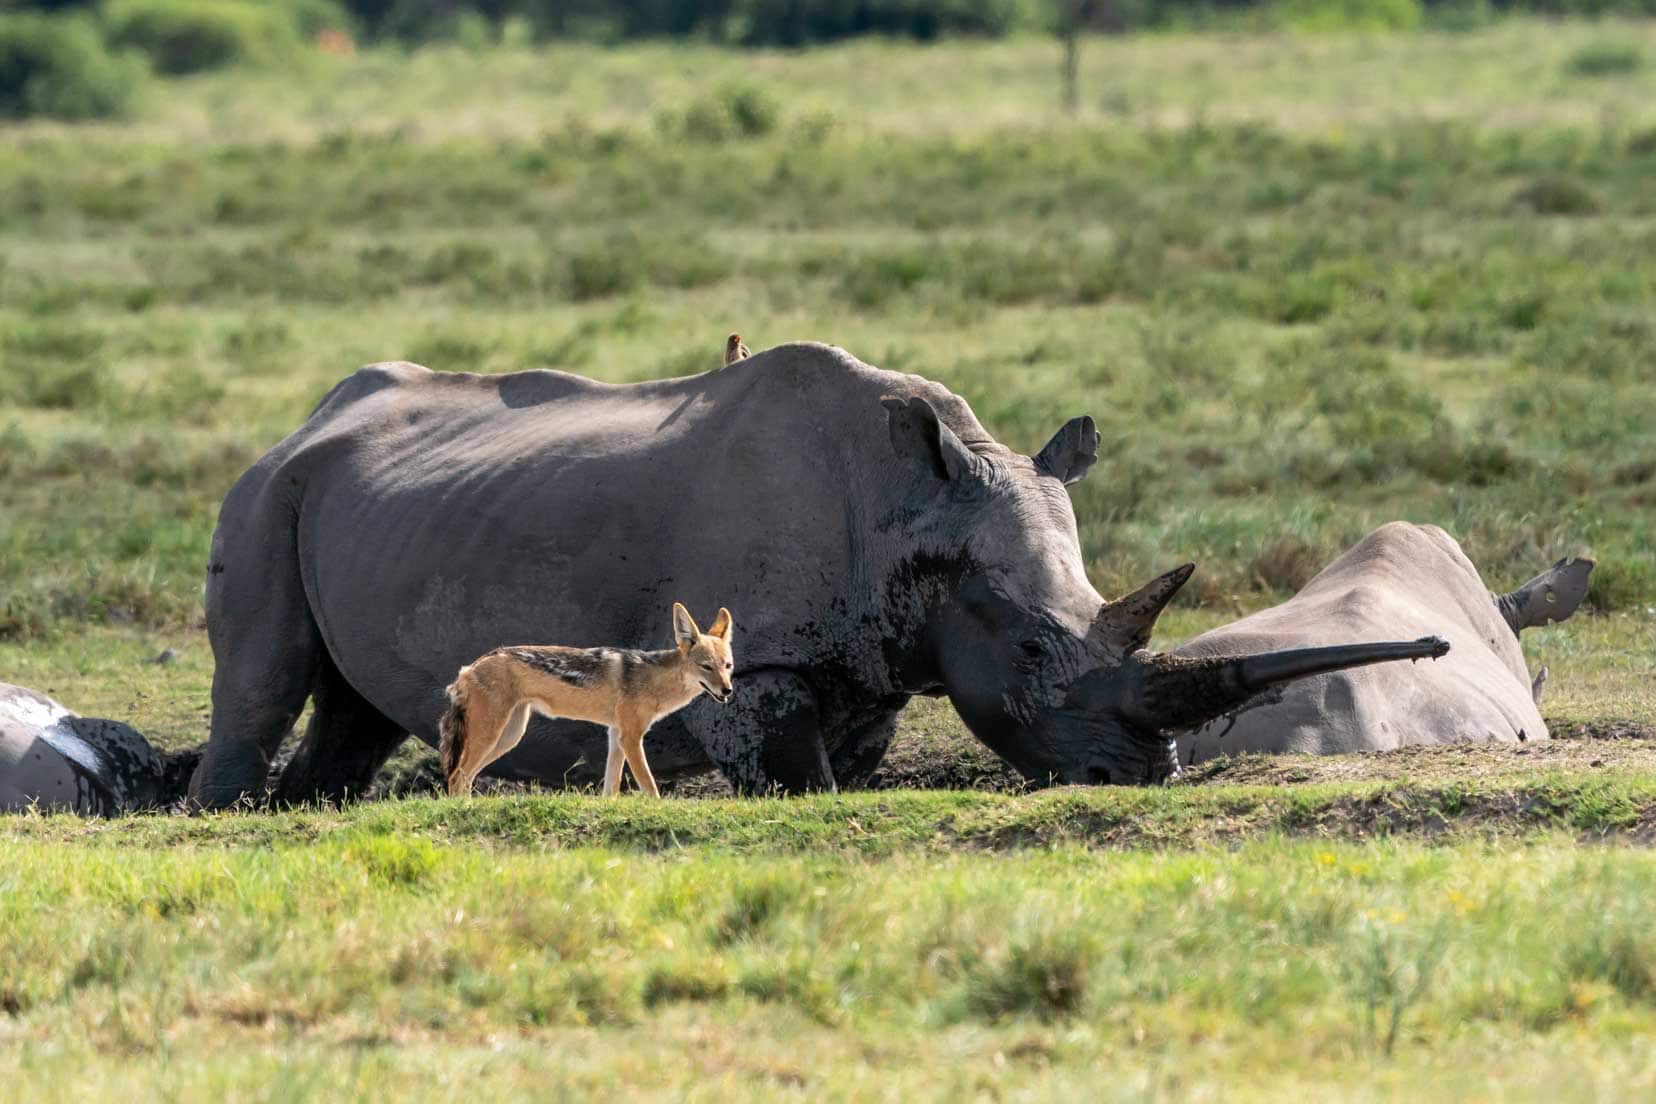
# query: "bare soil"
932,762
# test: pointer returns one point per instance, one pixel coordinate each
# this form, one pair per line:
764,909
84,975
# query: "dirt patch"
1442,763
934,762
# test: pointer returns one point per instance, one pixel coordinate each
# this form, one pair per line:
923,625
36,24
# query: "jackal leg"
488,737
613,762
631,740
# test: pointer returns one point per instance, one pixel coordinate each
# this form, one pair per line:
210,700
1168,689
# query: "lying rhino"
873,541
55,760
1398,580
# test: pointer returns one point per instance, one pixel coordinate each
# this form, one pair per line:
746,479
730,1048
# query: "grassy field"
829,948
1304,285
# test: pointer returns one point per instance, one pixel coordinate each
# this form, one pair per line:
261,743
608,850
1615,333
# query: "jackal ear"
721,625
684,627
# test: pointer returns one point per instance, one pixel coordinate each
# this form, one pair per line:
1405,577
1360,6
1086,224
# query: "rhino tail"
451,728
1550,597
1539,685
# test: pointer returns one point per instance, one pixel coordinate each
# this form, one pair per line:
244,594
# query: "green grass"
1305,285
1427,299
394,961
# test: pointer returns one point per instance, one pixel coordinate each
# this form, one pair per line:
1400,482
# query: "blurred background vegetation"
86,58
1382,264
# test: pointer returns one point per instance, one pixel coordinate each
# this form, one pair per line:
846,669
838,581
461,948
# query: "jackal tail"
451,729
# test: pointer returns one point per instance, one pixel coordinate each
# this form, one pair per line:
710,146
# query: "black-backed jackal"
625,690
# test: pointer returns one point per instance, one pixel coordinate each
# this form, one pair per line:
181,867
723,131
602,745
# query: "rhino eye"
1032,649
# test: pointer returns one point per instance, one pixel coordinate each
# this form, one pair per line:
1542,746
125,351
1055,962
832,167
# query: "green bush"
1349,15
191,36
1605,59
1557,195
735,110
311,16
59,67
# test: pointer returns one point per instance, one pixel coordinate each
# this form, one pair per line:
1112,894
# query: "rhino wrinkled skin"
871,539
1401,579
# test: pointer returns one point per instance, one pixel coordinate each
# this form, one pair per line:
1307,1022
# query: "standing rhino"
1401,578
55,760
873,541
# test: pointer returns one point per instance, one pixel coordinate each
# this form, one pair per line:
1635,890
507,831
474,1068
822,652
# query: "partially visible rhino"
872,539
58,761
1400,580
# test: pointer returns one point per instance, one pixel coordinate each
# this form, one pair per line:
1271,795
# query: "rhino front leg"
345,744
768,736
863,750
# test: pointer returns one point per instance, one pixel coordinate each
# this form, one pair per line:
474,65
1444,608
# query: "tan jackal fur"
735,350
626,691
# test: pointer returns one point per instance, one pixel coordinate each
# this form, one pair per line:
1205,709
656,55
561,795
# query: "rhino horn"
1178,692
1126,623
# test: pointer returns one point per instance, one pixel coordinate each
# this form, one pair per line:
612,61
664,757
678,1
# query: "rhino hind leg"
1550,597
768,737
345,744
264,667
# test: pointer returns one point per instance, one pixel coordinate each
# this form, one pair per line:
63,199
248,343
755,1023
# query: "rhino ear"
1072,450
916,431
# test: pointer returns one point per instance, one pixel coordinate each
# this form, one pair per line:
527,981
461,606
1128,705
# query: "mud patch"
1632,748
934,761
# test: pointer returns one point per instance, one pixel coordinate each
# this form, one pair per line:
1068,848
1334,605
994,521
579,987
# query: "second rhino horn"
1126,623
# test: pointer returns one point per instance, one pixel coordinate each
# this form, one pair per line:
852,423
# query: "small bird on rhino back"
735,350
625,690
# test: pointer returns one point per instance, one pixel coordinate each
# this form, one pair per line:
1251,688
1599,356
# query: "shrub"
309,17
736,110
1043,974
1557,195
1349,15
1605,59
191,36
59,68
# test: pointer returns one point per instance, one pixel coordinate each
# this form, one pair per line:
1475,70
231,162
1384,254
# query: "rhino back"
441,515
1402,581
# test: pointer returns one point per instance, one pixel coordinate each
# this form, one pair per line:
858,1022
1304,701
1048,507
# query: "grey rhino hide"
419,519
1402,579
871,540
55,760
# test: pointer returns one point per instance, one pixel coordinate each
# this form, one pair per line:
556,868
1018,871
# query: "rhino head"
1045,672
